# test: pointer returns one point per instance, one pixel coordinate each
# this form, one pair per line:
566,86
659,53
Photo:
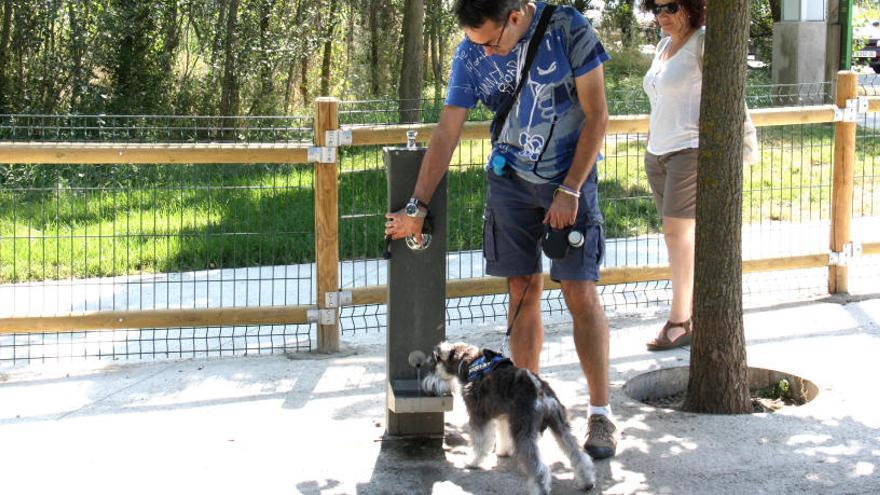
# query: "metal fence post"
842,186
327,223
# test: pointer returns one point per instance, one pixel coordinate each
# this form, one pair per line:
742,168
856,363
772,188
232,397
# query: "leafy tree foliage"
211,57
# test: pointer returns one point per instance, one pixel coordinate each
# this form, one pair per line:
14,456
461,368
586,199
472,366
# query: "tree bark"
77,33
218,33
327,61
432,20
410,87
304,80
229,87
293,64
171,28
5,33
263,103
374,48
718,371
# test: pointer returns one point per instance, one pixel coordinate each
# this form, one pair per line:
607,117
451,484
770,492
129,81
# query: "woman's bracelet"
567,190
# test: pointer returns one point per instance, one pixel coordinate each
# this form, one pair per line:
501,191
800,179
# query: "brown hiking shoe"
600,437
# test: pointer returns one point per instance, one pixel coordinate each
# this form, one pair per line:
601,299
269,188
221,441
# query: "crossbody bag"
535,41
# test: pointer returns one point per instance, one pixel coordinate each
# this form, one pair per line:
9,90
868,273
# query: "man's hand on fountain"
400,225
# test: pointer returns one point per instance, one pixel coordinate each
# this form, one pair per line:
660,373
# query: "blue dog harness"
485,365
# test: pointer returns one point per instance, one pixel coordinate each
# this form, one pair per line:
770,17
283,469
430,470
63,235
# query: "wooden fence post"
842,186
327,223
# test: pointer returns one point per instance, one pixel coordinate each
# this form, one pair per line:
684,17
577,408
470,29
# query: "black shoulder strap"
534,43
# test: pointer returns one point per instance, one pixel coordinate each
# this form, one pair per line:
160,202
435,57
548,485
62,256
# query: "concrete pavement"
313,424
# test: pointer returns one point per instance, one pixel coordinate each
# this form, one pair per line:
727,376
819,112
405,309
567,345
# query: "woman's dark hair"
473,13
695,10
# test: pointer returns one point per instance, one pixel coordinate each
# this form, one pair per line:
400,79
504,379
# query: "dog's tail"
557,420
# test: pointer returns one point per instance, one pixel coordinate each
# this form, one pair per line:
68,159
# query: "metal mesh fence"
79,238
785,211
86,238
155,128
864,270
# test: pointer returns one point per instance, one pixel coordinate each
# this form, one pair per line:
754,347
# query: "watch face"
412,209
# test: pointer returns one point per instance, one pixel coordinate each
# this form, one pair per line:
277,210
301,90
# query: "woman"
673,84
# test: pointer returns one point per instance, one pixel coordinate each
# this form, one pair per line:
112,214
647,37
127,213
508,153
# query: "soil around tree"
770,390
759,404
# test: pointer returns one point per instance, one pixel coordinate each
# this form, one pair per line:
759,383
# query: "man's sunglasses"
670,8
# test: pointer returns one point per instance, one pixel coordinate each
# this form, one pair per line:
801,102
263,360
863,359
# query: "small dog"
520,404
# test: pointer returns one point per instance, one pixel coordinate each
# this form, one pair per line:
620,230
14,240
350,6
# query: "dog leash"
515,314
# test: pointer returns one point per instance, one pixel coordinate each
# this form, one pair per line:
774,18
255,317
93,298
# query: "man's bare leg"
527,336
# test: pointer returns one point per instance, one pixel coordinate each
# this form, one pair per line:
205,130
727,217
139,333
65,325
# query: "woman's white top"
673,86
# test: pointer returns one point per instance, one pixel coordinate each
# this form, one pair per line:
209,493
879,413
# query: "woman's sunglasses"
670,8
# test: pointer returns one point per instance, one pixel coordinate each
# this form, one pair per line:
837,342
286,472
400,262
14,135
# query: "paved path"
313,424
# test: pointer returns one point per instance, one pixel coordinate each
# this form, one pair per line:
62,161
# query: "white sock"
601,410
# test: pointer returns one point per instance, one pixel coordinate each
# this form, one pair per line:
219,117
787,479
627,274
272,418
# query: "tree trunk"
327,61
263,103
410,87
437,47
288,87
229,87
718,372
218,33
77,33
293,64
171,27
5,32
304,80
349,45
374,48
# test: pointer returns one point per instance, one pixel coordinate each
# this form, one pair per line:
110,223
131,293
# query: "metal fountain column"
416,303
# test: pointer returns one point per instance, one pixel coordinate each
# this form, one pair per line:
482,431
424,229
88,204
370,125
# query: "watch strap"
418,202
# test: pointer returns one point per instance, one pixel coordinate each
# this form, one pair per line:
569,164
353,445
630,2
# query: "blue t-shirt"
539,138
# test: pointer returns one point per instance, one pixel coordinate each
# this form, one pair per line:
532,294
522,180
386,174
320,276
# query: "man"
542,173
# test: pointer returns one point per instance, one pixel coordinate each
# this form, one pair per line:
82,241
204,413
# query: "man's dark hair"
473,13
695,10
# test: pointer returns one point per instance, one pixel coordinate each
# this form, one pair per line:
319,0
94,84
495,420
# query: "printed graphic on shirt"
541,132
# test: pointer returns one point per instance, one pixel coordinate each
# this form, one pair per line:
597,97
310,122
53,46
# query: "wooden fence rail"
326,215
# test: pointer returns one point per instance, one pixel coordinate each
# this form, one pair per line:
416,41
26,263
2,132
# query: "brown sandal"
662,342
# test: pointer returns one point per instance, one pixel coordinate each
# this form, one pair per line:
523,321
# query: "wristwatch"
415,208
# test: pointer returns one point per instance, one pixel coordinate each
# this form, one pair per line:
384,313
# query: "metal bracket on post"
337,138
332,140
860,104
321,154
854,108
337,299
842,258
321,316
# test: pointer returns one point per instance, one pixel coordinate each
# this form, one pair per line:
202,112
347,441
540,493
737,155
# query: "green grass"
80,221
55,223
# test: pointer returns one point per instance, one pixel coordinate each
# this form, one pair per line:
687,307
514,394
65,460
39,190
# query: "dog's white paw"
541,483
585,481
584,472
475,462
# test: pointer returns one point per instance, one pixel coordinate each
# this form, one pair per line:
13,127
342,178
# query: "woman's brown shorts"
673,179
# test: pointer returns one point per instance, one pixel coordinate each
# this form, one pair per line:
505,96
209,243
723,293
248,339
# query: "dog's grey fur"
521,405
